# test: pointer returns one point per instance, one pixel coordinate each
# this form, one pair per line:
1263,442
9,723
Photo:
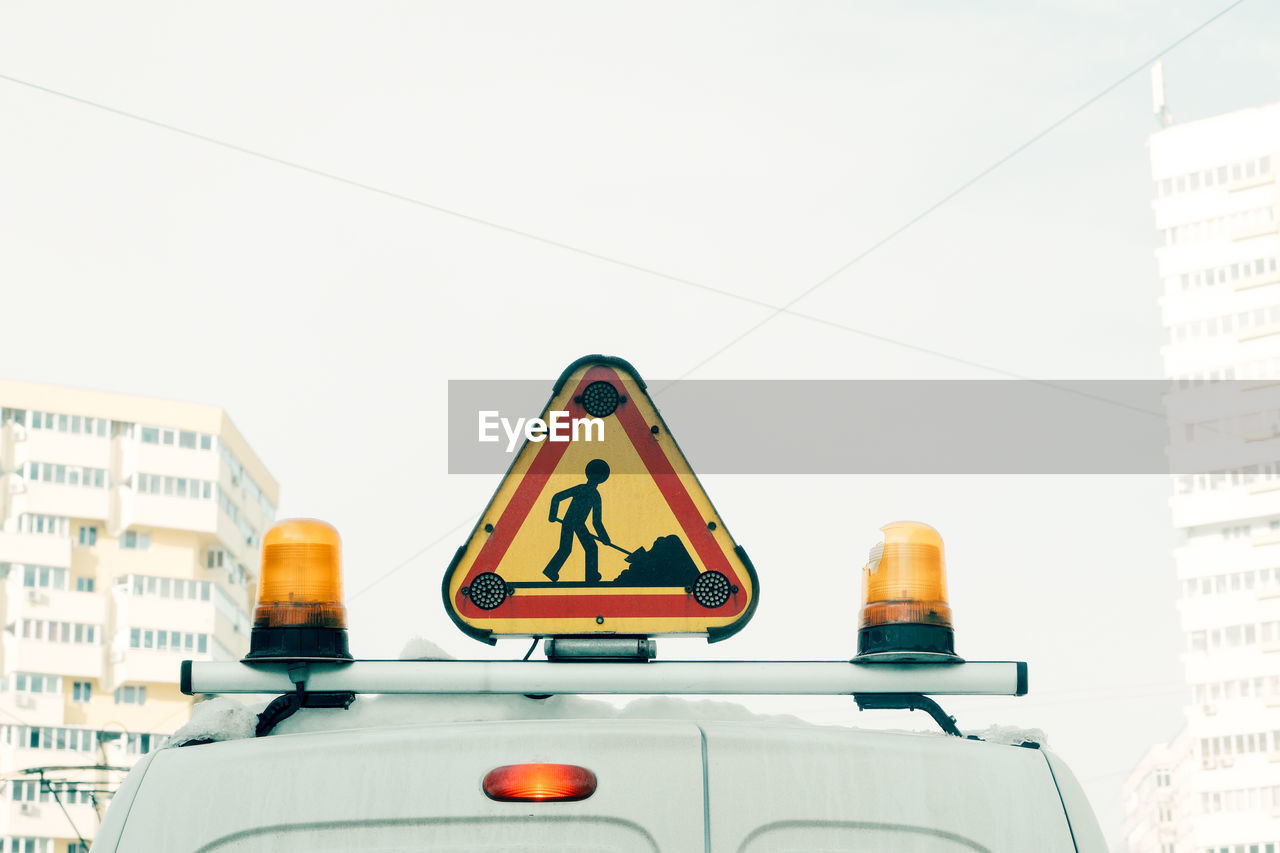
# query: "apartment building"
1216,787
129,540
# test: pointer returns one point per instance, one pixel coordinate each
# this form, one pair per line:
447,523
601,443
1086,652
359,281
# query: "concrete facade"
130,531
1216,787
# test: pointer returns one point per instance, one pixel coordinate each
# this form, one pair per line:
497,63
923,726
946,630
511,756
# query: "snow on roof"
1011,735
216,719
391,710
224,718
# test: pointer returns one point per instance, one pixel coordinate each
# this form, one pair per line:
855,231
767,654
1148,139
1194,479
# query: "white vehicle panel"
722,787
419,787
830,789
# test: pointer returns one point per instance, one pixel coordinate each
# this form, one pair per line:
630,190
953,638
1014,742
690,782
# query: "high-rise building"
129,541
1216,787
1156,795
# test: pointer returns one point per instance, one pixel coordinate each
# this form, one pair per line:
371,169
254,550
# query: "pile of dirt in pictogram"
667,563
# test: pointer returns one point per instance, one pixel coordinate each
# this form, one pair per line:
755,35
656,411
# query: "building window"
70,475
44,577
137,744
168,641
131,695
133,540
18,844
84,584
88,535
81,691
48,525
34,682
74,424
60,632
183,588
183,487
27,737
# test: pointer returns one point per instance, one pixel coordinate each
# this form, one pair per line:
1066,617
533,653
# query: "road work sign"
599,527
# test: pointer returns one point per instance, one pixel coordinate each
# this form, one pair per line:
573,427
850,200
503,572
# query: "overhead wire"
407,560
775,310
935,206
787,307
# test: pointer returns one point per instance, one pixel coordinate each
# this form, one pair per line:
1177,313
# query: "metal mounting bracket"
640,649
909,702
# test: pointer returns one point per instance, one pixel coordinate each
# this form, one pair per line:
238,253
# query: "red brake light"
539,783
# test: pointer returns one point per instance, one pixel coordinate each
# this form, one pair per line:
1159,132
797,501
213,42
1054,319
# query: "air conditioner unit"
19,432
1210,710
29,810
17,485
22,700
34,596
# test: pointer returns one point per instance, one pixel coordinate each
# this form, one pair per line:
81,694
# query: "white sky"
752,147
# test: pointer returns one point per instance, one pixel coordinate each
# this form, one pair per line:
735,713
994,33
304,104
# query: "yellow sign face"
600,527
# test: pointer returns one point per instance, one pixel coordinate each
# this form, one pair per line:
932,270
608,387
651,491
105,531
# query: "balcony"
1264,538
1226,505
36,548
153,665
1255,281
174,512
1258,179
1242,233
70,501
61,605
44,445
71,659
170,614
1259,332
175,461
34,706
45,820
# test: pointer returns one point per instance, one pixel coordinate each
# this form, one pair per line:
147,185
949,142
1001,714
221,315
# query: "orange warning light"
905,615
300,613
539,783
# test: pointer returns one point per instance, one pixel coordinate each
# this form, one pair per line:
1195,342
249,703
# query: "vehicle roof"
661,784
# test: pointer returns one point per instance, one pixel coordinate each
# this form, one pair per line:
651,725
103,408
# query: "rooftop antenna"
1158,102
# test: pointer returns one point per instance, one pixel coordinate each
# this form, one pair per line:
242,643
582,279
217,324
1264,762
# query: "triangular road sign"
608,533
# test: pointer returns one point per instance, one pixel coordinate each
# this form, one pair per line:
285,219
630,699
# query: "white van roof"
676,785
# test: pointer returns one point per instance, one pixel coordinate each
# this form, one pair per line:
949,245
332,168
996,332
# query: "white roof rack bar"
812,678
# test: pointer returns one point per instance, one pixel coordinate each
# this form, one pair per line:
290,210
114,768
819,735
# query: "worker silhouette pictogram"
584,500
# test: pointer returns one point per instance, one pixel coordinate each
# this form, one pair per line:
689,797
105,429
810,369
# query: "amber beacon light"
905,615
300,613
